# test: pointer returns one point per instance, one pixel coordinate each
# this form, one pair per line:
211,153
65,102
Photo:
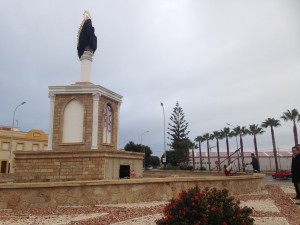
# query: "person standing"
295,169
227,170
255,163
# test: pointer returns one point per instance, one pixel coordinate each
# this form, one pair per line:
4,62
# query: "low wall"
184,173
80,193
6,177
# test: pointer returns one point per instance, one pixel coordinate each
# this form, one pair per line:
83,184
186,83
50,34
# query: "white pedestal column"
96,97
51,121
86,66
118,128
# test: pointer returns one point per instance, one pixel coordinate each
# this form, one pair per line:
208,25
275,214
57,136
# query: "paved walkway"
274,206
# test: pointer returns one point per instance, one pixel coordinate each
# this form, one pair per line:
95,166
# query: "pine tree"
178,135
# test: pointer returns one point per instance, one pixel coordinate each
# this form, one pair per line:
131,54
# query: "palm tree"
207,137
255,129
217,135
193,146
241,131
226,133
294,116
200,139
271,122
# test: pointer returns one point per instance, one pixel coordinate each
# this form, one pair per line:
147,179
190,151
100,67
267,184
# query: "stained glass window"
107,124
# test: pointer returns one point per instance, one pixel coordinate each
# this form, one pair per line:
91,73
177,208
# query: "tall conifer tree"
178,135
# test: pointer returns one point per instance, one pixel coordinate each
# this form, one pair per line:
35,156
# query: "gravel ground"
271,207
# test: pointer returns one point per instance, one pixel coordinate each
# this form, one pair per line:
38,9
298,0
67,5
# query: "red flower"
181,194
213,209
196,197
224,223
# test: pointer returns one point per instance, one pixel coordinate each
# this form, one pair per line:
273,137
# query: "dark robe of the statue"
87,38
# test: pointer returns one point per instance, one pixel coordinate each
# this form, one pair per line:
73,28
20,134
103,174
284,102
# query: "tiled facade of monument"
87,100
84,160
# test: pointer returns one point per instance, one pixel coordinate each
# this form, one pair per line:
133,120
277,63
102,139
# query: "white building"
266,159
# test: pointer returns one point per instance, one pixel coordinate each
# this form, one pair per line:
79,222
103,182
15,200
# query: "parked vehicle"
149,168
284,174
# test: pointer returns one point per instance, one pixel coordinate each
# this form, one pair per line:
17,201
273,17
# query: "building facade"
266,160
16,140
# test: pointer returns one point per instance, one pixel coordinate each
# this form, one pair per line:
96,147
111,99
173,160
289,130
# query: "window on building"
73,122
45,147
35,147
107,124
20,146
5,146
3,166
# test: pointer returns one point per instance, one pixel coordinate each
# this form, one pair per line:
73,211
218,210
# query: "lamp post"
165,159
142,147
12,134
237,147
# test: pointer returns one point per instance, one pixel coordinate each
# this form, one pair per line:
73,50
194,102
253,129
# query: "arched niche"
73,122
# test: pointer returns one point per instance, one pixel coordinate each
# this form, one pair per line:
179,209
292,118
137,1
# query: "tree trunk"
227,146
200,154
193,155
274,148
255,147
218,151
242,153
295,133
208,157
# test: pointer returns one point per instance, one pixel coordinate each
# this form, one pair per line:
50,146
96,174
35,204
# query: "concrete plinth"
53,166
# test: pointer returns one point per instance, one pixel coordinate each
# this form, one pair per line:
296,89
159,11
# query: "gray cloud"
224,61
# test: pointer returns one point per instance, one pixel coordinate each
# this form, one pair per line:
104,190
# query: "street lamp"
12,134
165,159
237,146
142,147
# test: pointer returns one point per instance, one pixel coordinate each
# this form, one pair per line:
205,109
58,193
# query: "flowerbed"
207,206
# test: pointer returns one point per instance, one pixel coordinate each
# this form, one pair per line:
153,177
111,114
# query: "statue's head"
86,15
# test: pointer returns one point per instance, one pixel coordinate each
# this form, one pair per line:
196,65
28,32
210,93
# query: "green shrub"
207,206
171,167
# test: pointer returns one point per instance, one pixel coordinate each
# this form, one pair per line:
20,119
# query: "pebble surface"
273,206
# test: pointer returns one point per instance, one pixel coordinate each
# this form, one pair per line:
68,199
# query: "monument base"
56,166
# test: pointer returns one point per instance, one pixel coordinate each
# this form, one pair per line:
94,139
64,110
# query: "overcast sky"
230,61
